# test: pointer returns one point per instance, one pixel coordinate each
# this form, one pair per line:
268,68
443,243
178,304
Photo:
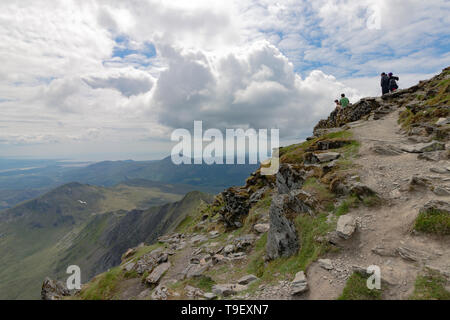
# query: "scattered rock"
386,150
147,262
237,256
384,252
160,293
227,289
416,183
229,249
218,258
439,170
209,296
440,191
193,292
436,205
326,264
326,156
214,234
433,156
346,226
195,270
198,239
442,121
128,266
262,227
157,273
244,242
410,254
361,190
247,279
171,238
129,253
424,147
53,290
299,285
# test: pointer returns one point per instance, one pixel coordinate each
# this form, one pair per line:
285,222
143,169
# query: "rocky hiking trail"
370,188
382,232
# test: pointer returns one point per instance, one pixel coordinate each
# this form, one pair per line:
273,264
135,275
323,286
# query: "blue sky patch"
123,48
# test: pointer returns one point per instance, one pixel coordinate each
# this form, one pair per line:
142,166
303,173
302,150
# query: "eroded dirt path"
382,231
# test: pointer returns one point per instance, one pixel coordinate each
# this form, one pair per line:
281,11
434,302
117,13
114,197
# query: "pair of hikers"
344,102
388,83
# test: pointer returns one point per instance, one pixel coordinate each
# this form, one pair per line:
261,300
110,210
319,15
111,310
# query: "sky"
112,79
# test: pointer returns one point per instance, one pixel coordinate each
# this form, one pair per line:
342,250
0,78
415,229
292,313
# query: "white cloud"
78,71
255,88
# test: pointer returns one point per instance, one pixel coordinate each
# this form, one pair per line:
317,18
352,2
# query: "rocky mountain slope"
37,236
370,188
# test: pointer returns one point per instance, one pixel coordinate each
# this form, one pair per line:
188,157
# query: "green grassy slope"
36,234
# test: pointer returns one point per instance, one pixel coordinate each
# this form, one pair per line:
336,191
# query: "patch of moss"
433,222
430,286
356,289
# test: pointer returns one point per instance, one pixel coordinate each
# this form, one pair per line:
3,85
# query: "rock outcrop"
351,113
53,290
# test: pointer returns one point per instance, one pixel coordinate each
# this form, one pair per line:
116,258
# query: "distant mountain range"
35,178
86,225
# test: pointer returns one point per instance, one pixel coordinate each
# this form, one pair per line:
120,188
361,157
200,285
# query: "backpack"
393,84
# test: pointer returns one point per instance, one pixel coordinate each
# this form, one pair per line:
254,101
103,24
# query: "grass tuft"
356,289
430,286
433,222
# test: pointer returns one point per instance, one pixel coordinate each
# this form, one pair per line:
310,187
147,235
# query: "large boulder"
299,285
351,113
289,177
424,147
149,261
261,227
53,290
282,239
236,205
346,226
195,270
157,273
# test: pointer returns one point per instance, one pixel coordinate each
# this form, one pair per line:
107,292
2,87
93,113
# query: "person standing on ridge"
392,82
384,83
344,101
338,105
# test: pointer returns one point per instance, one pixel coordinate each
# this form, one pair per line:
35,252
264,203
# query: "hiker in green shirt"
344,101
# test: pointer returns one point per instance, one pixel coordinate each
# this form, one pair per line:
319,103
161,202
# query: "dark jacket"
385,82
392,83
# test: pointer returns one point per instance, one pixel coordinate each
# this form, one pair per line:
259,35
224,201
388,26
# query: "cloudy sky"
111,79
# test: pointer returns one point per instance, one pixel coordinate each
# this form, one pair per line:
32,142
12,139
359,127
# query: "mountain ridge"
357,193
36,233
